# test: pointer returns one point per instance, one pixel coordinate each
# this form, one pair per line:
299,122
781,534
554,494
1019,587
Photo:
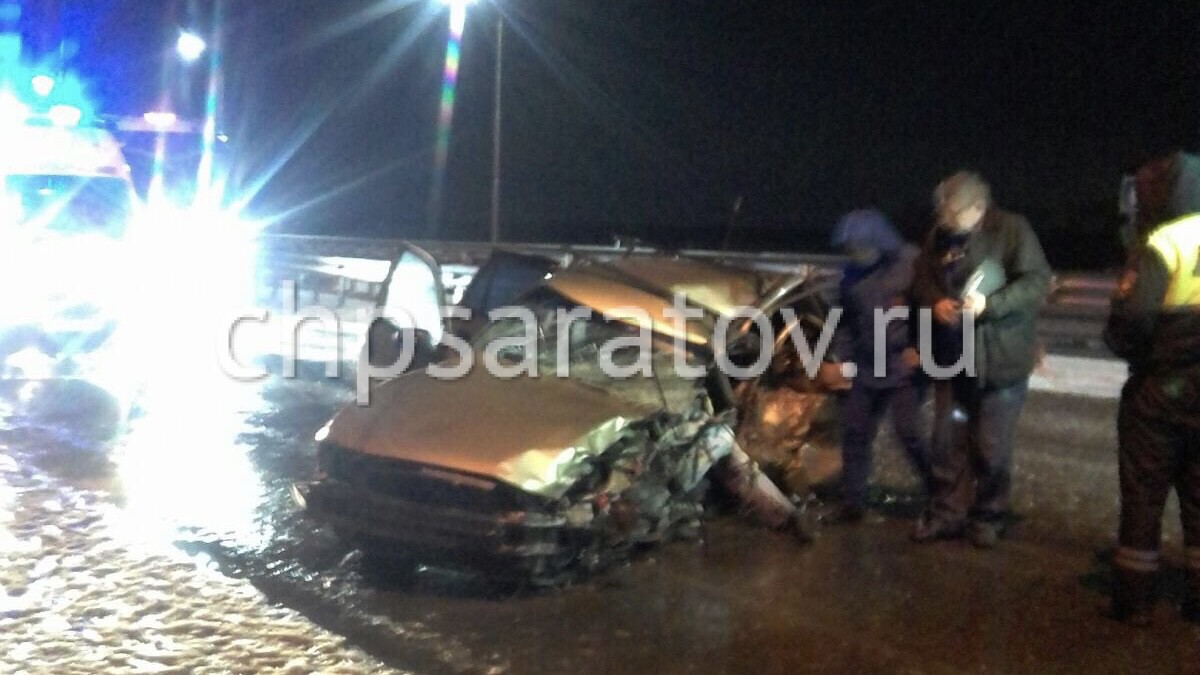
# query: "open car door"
412,298
410,311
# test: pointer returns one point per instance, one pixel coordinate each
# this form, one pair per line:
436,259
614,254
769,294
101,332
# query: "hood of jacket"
1167,188
867,228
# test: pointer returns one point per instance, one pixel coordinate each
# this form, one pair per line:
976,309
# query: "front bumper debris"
646,488
431,529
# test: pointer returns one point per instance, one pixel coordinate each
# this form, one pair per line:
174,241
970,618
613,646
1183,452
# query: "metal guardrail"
1084,291
451,251
348,267
387,249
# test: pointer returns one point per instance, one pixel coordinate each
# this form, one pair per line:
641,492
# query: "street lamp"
190,46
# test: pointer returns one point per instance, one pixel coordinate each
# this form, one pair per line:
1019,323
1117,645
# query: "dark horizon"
650,118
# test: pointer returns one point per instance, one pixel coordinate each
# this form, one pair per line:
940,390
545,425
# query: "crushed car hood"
532,433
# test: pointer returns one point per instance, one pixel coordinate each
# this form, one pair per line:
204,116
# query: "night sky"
649,117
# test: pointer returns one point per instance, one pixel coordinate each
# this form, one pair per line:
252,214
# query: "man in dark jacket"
1155,325
982,274
878,278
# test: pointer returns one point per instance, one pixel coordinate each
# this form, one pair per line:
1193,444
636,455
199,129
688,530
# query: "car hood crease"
532,433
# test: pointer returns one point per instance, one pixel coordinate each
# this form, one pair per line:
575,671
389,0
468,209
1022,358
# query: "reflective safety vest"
1178,244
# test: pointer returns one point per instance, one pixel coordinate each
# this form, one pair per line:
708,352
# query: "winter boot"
1133,596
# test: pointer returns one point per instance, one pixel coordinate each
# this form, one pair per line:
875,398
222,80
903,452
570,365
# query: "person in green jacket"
982,276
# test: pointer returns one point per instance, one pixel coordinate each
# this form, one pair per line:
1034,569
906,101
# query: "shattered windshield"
68,204
597,351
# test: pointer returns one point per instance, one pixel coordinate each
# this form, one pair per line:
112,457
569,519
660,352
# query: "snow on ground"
1081,376
79,596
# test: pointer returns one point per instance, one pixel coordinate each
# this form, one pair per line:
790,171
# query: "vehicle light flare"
160,120
458,22
156,191
204,173
65,115
42,85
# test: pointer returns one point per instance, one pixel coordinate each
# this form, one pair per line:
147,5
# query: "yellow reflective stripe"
1178,243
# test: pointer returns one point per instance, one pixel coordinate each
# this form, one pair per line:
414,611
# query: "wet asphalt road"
212,475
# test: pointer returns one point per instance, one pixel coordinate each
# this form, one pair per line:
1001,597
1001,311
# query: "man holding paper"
982,274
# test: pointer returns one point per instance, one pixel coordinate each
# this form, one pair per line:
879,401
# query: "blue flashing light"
35,94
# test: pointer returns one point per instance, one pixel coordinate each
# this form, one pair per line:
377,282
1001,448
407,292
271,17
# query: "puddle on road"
197,479
90,505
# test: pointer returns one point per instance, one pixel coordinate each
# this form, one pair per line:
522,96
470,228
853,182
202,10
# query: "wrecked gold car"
539,476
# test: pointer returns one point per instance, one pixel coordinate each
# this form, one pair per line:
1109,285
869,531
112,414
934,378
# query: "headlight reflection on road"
181,465
9,542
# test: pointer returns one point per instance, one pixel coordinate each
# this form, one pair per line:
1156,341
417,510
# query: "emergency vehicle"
67,201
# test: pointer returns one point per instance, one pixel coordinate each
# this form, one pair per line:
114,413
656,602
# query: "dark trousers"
973,434
862,411
1159,434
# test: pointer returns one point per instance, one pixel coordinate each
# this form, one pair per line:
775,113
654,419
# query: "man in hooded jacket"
877,279
1155,325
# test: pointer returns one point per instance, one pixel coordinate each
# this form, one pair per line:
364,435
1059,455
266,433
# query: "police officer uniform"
1155,325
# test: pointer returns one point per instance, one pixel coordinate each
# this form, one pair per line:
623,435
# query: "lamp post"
496,112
